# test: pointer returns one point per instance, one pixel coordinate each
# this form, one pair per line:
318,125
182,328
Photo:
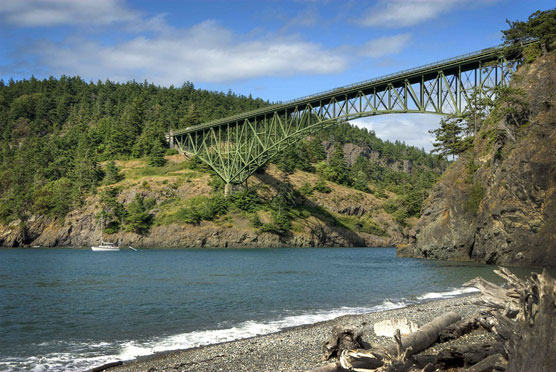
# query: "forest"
60,136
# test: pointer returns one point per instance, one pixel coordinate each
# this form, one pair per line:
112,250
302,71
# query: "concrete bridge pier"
228,190
171,139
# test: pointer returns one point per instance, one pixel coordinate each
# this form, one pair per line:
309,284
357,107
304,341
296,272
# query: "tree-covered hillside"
53,133
59,136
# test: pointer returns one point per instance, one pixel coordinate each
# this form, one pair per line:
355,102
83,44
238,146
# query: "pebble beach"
298,348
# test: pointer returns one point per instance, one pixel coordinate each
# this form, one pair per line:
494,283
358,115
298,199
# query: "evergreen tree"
85,170
448,141
156,157
540,25
138,219
112,212
338,169
112,173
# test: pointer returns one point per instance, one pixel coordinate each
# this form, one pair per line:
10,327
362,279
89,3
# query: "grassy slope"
343,208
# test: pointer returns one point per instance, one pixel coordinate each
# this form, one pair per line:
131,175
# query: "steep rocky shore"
325,227
497,204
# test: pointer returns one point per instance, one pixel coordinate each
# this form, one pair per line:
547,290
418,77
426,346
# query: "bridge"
236,146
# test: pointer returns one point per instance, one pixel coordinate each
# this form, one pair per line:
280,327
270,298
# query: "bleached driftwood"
394,356
526,319
388,327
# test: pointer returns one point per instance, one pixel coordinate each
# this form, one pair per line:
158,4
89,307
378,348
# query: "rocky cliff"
497,203
341,218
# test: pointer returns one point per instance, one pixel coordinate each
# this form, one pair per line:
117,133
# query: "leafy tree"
478,108
315,150
360,181
193,116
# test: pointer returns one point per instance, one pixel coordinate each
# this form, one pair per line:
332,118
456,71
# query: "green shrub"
370,227
280,224
172,152
306,189
531,52
246,200
474,198
201,208
216,183
321,186
256,221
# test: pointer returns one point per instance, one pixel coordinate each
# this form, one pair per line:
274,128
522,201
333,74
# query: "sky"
273,49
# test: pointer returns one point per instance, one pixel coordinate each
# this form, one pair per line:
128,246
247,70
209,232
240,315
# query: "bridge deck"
464,62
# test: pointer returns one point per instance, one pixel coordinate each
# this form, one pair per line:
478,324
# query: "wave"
134,349
81,356
448,294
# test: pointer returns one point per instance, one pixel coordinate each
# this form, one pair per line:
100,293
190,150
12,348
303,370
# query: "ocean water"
74,309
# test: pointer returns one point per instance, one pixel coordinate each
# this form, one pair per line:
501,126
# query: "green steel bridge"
236,146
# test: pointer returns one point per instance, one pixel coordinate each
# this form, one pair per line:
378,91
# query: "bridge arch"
235,147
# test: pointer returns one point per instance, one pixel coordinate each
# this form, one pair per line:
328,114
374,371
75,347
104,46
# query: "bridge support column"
171,139
228,189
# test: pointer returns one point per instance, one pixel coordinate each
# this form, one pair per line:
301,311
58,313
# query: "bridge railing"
485,51
279,105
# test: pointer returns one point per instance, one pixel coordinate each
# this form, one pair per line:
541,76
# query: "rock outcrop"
498,204
324,228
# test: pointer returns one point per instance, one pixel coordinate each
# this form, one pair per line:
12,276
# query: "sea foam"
77,359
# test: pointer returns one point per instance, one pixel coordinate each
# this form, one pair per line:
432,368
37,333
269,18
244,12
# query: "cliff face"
498,204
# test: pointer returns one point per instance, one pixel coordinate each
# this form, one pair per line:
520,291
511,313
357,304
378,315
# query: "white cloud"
36,13
413,129
386,45
204,53
403,13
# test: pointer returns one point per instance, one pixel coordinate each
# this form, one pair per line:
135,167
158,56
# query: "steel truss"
237,146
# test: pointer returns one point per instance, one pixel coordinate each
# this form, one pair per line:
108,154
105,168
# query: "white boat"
105,246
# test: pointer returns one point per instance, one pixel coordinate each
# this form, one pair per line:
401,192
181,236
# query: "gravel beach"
298,348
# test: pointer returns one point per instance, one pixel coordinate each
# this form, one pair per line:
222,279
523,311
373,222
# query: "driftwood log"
343,339
522,315
395,355
525,320
492,363
467,355
460,328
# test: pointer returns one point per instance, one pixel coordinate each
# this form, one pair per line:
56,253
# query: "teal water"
72,309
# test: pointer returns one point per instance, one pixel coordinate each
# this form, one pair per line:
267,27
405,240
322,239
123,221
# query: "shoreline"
295,348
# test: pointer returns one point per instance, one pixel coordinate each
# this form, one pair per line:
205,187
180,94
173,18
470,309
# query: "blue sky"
276,50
